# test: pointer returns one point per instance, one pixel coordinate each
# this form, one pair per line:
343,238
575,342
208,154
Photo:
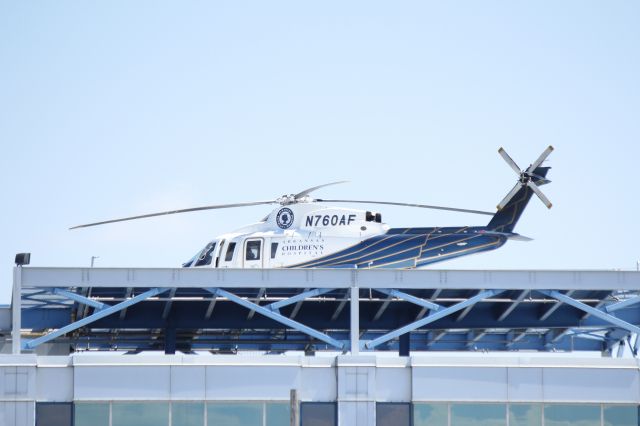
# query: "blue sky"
109,109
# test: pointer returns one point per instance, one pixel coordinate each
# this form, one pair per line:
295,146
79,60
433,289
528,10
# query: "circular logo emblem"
284,218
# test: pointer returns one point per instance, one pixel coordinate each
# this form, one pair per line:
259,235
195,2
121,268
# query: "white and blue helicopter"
303,233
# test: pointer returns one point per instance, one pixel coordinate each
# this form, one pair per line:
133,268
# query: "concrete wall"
356,383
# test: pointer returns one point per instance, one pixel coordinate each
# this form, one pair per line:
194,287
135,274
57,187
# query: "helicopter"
301,232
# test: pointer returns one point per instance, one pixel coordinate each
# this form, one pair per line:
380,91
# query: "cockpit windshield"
206,255
190,261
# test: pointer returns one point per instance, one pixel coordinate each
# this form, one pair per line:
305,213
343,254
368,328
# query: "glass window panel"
278,414
230,250
234,414
478,414
525,414
430,414
140,414
206,255
393,414
187,414
621,415
53,414
91,414
571,415
253,250
318,414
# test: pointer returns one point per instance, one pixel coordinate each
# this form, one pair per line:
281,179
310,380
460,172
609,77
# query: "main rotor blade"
423,206
193,209
309,190
509,196
540,159
539,193
509,161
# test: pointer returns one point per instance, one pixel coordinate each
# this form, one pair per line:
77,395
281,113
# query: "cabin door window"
253,253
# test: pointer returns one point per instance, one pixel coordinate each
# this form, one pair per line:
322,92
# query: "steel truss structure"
226,310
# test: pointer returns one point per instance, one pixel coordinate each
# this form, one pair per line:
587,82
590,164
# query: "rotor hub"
524,177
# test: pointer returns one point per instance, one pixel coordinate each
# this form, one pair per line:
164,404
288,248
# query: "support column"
16,311
294,408
355,319
170,340
404,344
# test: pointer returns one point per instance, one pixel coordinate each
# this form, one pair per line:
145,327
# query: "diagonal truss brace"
622,304
91,318
277,317
275,306
409,298
440,313
80,299
591,310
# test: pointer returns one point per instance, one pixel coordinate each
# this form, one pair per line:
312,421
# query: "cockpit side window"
206,255
230,249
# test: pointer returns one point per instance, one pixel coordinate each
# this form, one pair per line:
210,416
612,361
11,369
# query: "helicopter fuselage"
307,235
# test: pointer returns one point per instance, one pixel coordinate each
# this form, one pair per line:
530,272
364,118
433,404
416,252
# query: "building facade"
211,390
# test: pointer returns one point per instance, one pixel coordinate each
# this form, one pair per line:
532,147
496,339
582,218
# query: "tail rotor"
526,177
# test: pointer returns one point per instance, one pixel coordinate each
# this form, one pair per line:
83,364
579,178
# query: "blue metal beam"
553,308
80,299
466,310
96,316
513,339
591,310
431,318
513,305
586,334
275,306
622,304
277,317
409,298
168,303
433,339
473,337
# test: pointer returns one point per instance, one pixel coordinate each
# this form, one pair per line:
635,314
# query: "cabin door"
253,253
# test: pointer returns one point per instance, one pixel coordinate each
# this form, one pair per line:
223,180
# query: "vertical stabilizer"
506,218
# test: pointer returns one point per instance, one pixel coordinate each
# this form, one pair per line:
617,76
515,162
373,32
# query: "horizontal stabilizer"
510,235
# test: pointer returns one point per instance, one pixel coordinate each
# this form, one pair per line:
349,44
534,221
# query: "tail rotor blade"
509,196
509,161
540,159
539,193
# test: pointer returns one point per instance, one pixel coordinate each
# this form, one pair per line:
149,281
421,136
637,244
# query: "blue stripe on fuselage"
407,247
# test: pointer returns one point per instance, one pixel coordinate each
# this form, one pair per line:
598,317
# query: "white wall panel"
17,413
187,382
591,385
459,384
318,384
393,385
356,413
525,384
122,383
17,383
251,382
54,384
